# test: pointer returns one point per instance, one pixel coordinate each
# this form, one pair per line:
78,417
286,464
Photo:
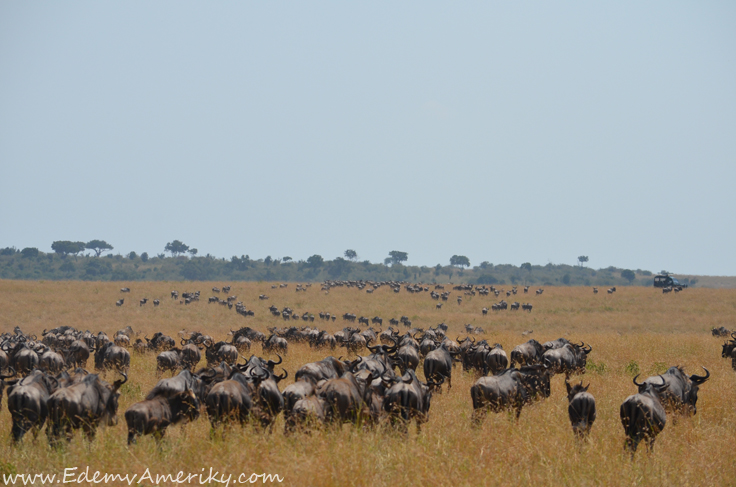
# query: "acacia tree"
527,266
583,259
98,246
66,247
176,247
459,261
397,257
351,254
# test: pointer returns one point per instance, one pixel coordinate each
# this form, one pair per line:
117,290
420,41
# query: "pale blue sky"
506,132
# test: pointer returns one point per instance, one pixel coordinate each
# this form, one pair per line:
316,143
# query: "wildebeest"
275,344
642,415
232,399
305,412
569,359
119,302
23,358
328,368
83,405
111,356
153,416
581,408
27,402
51,362
438,366
220,352
168,360
408,398
528,353
721,331
344,397
681,394
509,389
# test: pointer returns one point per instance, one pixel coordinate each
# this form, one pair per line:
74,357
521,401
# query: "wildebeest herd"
377,383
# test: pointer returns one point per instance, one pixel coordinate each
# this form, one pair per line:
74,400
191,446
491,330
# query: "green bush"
632,368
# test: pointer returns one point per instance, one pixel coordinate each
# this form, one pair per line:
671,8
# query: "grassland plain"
635,328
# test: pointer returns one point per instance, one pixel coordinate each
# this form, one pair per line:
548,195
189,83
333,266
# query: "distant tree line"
184,263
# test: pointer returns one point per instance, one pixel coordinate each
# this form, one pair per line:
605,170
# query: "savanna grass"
633,330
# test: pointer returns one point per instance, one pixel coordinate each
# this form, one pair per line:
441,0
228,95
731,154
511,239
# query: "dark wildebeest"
509,389
581,409
328,368
297,391
681,395
729,346
190,354
721,331
438,366
77,354
220,352
306,412
83,405
275,344
408,398
528,353
23,358
153,416
168,360
51,362
408,357
642,415
232,399
570,359
111,356
27,402
181,382
345,397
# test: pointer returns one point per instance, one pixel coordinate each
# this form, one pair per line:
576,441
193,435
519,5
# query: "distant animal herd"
48,382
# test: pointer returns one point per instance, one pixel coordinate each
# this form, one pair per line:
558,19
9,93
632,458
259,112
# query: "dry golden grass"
638,324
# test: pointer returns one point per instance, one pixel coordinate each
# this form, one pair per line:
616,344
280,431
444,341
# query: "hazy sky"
503,131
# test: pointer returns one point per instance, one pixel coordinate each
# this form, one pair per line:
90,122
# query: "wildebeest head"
111,405
649,388
572,391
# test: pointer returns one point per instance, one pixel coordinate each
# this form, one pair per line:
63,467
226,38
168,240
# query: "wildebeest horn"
183,342
203,374
279,378
8,376
355,362
43,333
116,385
374,348
271,363
636,383
590,349
699,379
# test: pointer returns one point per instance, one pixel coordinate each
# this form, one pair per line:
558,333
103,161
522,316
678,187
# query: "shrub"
632,368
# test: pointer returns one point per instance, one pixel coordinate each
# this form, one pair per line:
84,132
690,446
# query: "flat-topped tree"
459,261
97,246
176,247
66,247
397,257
